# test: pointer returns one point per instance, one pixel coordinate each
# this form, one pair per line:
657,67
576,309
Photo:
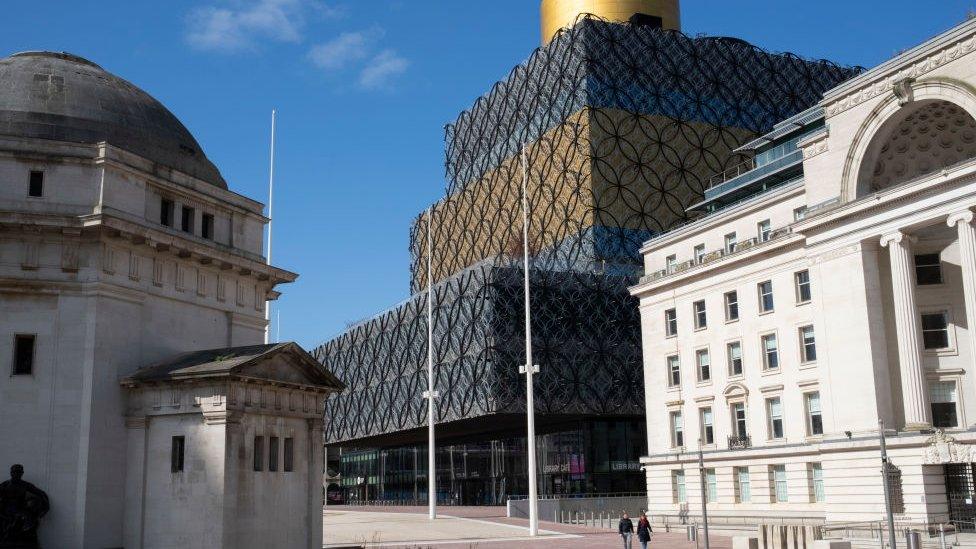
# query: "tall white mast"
267,305
431,393
529,367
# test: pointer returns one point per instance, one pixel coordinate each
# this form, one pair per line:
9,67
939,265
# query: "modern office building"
830,283
614,126
135,383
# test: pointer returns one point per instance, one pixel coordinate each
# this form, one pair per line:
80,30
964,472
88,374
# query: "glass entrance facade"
582,458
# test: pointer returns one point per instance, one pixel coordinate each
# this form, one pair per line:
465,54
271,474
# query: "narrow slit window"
177,454
166,209
207,230
289,454
259,453
24,354
35,184
273,453
186,222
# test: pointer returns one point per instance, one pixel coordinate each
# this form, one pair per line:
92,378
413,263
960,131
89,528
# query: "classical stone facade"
836,289
120,246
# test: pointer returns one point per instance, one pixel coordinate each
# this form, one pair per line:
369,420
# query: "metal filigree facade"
621,126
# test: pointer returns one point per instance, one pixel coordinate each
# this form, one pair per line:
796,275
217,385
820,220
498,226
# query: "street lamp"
430,394
704,496
529,368
884,480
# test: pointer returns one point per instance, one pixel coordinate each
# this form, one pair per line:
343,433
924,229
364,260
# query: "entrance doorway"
959,491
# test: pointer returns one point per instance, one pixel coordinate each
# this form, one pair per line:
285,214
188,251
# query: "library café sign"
942,448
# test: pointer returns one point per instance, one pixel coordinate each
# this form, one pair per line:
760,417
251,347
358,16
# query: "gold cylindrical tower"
556,14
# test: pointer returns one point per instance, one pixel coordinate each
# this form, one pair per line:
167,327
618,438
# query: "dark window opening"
944,414
289,456
176,457
928,269
207,230
273,454
935,331
259,453
186,223
23,354
36,183
166,212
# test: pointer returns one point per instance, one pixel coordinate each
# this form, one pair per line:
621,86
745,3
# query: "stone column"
137,435
963,221
908,332
316,465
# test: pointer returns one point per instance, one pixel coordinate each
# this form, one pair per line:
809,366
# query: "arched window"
921,138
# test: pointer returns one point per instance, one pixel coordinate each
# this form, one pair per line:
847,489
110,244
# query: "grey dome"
61,96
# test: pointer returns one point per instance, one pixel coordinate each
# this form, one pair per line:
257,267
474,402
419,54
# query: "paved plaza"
470,527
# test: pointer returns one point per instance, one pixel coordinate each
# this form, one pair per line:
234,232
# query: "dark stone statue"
21,507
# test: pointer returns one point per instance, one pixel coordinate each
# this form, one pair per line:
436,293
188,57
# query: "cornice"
934,53
784,243
865,206
759,201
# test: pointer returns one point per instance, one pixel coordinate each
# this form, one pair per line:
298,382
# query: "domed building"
141,394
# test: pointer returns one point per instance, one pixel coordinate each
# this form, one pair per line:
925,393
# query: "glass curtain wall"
589,457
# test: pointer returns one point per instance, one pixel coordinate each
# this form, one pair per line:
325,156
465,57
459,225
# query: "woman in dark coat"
644,531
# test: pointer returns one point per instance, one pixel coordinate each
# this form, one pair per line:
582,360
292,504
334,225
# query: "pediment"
287,364
734,390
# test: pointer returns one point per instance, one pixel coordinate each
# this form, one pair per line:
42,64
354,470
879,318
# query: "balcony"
740,443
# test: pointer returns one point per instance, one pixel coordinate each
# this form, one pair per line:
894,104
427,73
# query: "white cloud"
381,69
238,27
343,49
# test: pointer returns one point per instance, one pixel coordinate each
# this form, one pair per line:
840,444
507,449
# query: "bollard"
555,515
592,523
942,540
912,539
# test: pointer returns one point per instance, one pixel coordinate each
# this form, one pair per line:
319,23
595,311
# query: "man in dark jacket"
626,529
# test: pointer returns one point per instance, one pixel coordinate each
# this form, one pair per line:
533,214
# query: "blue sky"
363,89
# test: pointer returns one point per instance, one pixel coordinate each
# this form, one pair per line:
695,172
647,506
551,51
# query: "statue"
21,507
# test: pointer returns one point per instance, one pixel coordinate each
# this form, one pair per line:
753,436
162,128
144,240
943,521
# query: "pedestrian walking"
626,529
644,530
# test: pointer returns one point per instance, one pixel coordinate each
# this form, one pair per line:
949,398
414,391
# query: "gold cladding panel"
602,167
556,14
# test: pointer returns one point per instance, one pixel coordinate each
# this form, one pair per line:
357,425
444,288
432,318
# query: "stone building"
831,283
122,247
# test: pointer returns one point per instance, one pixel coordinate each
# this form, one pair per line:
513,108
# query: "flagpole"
267,305
529,367
431,393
